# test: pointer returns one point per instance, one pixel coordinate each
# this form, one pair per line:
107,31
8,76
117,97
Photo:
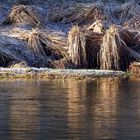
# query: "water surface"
70,109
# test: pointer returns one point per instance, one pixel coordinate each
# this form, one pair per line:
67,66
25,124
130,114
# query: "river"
70,109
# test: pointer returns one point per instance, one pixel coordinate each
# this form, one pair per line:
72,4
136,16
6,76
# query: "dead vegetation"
17,64
93,41
5,58
23,15
64,63
113,52
97,27
13,50
134,69
52,43
84,47
78,13
77,47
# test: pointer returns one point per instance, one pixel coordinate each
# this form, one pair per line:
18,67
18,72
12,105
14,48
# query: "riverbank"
48,42
47,73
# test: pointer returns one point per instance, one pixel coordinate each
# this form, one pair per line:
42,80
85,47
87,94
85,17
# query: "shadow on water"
70,109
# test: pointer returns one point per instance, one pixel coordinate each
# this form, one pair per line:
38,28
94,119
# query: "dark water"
75,110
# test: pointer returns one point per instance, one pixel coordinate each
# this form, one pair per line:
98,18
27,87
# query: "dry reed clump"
134,69
65,13
35,45
46,46
84,47
5,59
90,15
18,64
20,33
114,50
136,46
64,63
24,15
128,37
114,53
77,47
78,13
133,24
96,26
12,49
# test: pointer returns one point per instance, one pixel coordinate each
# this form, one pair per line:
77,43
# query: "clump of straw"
84,47
97,27
78,13
46,46
77,47
114,53
25,15
64,63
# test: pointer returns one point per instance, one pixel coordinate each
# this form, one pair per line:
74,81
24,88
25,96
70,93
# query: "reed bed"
93,42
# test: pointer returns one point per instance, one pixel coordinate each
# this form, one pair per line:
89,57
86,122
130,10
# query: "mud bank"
47,73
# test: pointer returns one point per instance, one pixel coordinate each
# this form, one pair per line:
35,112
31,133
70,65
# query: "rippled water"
79,110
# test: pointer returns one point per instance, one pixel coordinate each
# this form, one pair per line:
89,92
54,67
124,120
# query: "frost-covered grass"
54,1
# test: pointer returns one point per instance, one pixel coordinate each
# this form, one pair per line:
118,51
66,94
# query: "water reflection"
92,108
105,109
128,110
69,109
24,111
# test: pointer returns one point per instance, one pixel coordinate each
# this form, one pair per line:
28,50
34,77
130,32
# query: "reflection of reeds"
94,108
24,110
77,112
105,109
